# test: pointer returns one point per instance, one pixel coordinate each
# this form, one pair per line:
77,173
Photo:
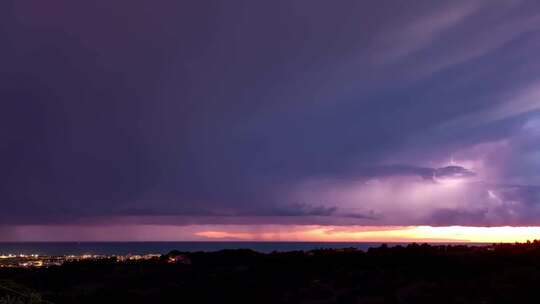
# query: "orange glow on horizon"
274,232
383,234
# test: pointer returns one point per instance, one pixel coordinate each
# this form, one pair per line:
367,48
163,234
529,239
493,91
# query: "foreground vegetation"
412,274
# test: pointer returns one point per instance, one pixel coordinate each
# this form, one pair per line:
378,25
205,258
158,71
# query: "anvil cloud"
237,113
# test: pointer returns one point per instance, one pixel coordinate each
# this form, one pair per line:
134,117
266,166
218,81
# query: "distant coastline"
64,248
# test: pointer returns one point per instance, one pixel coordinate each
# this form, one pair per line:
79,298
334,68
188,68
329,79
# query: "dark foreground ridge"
505,273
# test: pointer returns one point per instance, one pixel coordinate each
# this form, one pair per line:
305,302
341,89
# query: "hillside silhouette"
503,273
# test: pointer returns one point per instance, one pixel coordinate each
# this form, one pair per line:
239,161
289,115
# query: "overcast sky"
269,113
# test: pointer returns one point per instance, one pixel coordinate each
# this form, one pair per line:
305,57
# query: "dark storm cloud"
383,171
306,210
215,108
298,209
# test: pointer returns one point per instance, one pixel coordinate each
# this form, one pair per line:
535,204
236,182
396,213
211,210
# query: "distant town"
36,260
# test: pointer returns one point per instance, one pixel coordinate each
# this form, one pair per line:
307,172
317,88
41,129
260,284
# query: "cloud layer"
280,112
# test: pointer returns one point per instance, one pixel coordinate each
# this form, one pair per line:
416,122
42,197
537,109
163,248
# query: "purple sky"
314,112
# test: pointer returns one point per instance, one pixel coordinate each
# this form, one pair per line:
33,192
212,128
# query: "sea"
123,248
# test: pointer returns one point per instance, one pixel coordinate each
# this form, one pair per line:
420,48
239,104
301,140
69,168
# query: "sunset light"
504,234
